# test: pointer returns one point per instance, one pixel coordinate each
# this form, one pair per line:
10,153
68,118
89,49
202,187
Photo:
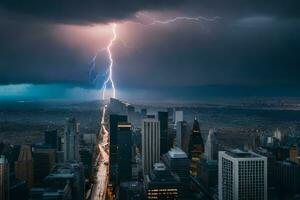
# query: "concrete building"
4,178
242,175
124,152
114,120
182,135
71,140
44,160
178,116
150,143
24,166
160,183
211,146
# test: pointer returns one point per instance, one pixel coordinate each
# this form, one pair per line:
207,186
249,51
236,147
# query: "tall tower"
150,143
71,140
124,156
182,135
242,175
196,147
114,120
24,166
4,178
210,145
163,119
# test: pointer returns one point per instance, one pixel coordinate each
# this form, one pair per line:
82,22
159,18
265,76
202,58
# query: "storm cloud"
253,43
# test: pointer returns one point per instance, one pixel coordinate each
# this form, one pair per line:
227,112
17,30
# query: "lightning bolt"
179,18
109,78
109,72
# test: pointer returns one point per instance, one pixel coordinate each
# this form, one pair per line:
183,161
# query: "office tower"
51,139
178,116
182,135
65,182
286,179
71,140
163,120
124,154
113,147
211,146
242,175
178,163
150,143
24,166
4,178
162,184
196,147
43,161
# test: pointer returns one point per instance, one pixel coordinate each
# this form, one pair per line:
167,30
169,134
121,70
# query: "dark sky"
254,44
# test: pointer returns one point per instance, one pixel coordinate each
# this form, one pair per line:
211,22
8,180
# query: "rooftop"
237,153
177,153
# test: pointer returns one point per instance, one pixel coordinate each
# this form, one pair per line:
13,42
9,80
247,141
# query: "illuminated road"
99,188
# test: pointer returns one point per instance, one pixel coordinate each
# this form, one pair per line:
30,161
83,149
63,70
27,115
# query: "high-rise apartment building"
242,175
71,140
150,143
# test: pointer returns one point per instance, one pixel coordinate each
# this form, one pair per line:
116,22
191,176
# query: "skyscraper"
124,157
71,140
182,135
24,166
242,175
113,147
4,178
196,147
178,116
178,163
150,143
44,160
163,120
162,184
210,146
51,139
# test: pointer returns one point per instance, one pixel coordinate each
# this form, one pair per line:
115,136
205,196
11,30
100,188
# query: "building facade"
150,143
196,147
163,119
71,140
124,157
242,175
24,166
